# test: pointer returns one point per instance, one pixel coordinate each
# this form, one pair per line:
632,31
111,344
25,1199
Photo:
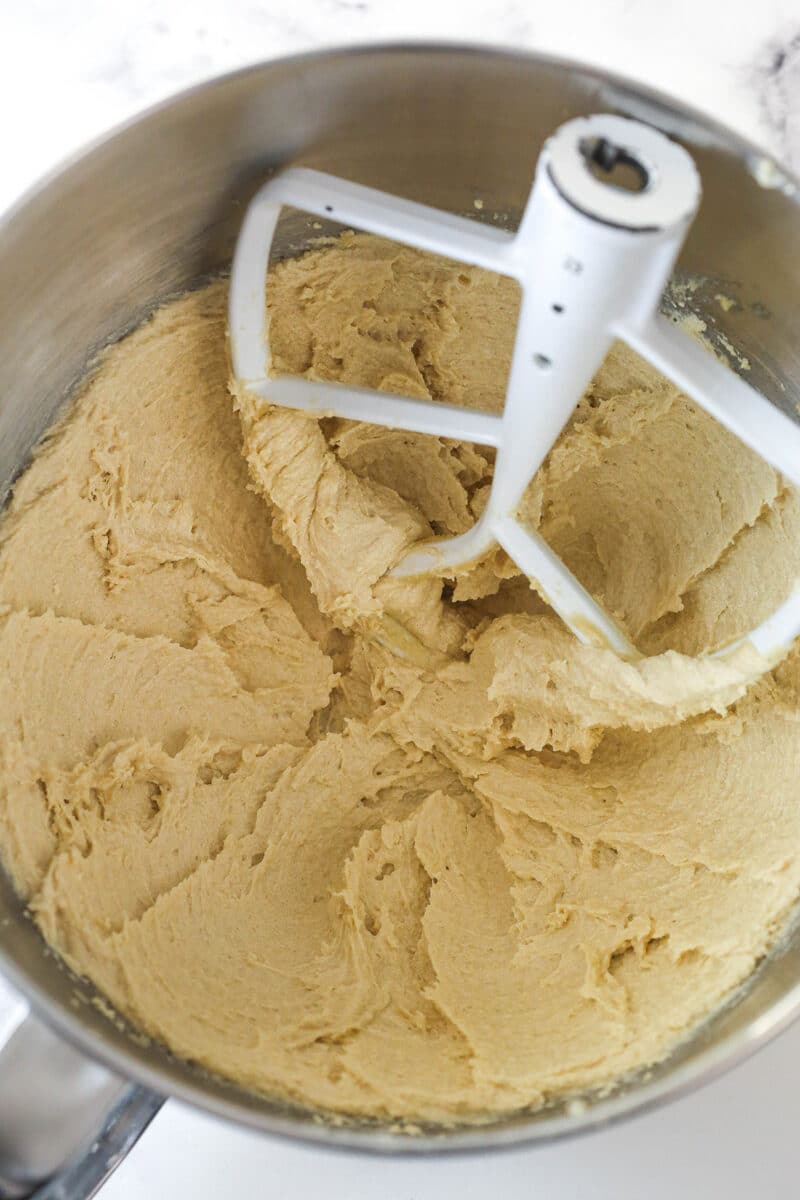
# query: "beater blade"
611,204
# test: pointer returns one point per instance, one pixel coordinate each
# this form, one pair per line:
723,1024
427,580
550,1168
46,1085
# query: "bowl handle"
65,1121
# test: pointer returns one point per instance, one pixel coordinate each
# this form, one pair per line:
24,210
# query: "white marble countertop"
69,69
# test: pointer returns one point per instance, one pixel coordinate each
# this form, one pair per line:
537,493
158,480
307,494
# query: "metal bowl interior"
154,208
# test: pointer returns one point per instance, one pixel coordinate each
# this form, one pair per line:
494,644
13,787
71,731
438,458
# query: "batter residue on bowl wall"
376,845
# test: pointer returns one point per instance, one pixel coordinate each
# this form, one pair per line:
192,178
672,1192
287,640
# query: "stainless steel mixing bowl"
153,209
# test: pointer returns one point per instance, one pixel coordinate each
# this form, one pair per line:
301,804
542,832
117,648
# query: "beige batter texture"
380,846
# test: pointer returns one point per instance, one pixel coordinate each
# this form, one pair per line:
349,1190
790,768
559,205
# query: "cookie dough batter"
381,846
